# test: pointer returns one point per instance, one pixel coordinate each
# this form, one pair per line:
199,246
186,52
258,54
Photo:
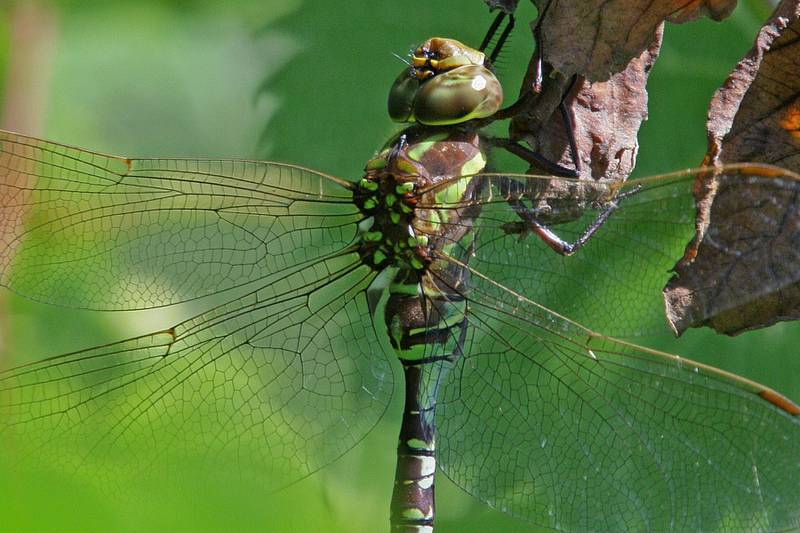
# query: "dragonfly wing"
93,231
268,387
614,283
550,422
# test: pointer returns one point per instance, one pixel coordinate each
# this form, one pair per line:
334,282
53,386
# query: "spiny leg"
536,86
570,127
533,157
492,30
502,40
550,238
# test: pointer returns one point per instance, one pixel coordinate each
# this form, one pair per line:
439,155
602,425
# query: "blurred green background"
305,82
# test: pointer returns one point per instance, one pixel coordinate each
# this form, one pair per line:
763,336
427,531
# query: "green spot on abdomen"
419,444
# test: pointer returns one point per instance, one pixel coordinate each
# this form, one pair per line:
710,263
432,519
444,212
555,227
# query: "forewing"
87,230
550,422
258,392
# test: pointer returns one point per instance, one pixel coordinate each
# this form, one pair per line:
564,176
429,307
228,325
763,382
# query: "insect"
322,282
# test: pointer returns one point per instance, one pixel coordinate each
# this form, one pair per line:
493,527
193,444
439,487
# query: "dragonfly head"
447,83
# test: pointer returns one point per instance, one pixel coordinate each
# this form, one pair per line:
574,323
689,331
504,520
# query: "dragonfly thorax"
406,194
387,237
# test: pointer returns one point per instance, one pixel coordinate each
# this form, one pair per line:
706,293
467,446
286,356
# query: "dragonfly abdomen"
427,333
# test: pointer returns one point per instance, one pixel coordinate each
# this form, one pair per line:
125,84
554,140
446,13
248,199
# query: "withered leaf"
596,57
597,38
605,115
742,271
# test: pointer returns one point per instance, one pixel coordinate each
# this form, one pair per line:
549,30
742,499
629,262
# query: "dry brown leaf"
743,269
606,117
612,46
597,38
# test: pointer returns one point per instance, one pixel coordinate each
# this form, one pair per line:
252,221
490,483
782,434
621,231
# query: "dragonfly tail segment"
428,335
412,507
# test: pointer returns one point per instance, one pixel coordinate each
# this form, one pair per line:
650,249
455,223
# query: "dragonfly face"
531,411
447,83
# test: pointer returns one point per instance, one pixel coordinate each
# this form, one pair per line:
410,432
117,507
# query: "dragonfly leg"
538,70
535,158
550,238
538,67
492,30
525,101
569,127
501,41
532,157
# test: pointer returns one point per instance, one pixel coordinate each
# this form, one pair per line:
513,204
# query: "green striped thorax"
446,85
407,215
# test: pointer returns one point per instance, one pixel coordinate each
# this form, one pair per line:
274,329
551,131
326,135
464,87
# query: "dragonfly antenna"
403,59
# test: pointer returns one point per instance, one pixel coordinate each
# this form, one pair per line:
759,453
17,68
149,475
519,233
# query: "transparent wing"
260,391
552,422
546,420
277,378
87,230
614,283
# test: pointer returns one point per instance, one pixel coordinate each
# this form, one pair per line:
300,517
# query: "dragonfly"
320,292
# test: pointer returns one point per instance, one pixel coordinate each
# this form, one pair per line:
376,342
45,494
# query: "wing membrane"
87,230
554,423
263,390
614,283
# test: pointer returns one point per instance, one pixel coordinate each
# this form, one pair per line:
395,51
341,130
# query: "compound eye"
402,95
445,84
458,95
